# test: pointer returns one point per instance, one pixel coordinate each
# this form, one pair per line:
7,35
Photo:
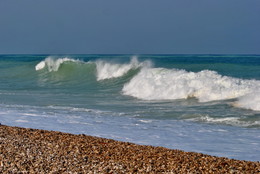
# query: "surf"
158,83
206,86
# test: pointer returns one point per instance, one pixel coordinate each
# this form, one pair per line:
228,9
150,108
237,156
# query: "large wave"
170,84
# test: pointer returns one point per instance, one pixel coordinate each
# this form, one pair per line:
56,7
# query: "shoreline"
29,150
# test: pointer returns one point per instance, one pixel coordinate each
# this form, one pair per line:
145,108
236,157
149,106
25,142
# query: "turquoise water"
202,103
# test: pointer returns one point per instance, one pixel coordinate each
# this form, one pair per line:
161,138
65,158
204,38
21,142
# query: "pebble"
25,151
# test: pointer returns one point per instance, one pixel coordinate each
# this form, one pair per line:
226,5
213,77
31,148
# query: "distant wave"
104,69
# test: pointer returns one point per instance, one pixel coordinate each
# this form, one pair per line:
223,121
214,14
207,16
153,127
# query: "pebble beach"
24,150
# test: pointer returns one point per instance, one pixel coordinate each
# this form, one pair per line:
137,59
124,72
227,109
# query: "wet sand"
24,150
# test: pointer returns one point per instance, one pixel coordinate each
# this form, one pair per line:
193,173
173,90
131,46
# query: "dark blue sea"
200,103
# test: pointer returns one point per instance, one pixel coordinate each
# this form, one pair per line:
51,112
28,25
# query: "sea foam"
250,101
206,85
234,121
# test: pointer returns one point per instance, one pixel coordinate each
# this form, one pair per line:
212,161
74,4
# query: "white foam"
146,121
106,70
226,120
234,121
30,114
40,65
53,64
22,121
161,84
249,101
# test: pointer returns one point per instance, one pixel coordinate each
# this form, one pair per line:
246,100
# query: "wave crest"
106,70
53,64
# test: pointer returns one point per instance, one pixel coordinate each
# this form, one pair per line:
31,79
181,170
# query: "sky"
129,27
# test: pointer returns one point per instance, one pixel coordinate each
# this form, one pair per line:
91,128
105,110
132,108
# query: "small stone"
38,151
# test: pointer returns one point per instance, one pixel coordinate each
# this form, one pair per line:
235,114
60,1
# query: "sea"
197,103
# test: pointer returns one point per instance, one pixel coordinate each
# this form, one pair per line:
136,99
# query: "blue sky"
130,27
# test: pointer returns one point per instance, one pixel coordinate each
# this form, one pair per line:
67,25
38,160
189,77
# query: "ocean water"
200,103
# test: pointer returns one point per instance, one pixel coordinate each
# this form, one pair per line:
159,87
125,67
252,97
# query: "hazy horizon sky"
129,27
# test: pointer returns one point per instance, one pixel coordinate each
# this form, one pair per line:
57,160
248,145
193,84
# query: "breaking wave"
107,70
168,84
104,69
165,84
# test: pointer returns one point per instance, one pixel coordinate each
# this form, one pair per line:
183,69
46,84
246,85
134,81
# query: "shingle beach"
24,150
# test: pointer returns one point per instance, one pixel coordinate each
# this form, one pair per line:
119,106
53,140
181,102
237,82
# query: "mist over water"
203,103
